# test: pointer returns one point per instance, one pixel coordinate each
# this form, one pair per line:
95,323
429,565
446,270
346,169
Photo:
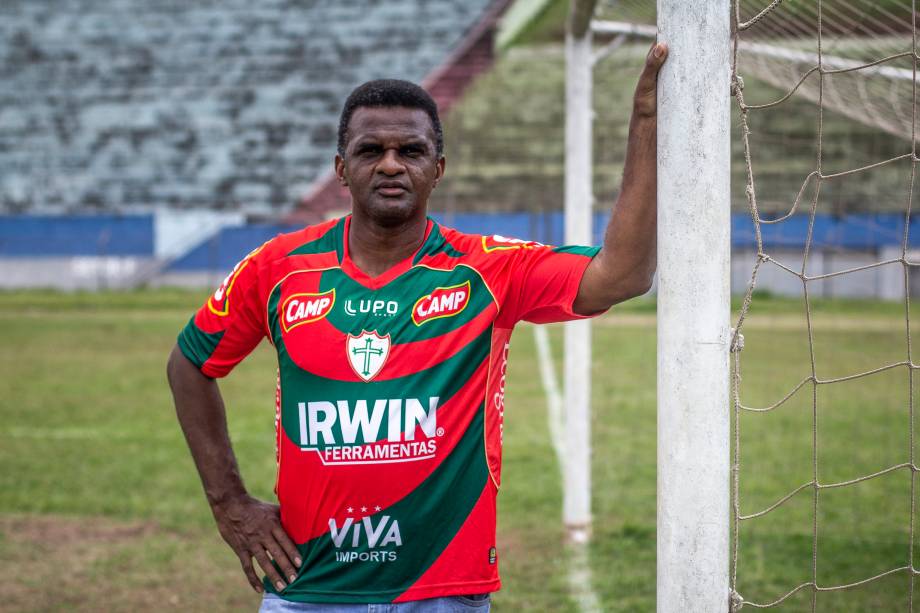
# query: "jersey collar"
349,267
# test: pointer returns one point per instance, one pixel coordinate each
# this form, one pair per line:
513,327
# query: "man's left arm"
625,265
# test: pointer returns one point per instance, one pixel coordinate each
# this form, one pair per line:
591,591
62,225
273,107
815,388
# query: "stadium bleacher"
110,105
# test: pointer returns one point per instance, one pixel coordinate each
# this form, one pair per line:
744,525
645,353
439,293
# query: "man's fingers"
656,56
253,529
246,563
281,559
270,571
290,548
647,88
653,63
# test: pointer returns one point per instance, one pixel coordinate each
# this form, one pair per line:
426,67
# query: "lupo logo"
442,302
377,308
300,309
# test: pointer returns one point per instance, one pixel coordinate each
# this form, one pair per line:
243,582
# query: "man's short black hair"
390,92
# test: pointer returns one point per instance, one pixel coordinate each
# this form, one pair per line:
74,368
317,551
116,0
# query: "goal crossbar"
829,62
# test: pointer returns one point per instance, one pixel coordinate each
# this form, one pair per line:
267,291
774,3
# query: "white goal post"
865,76
579,204
694,227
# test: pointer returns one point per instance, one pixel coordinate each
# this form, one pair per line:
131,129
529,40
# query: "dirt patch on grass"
64,533
98,564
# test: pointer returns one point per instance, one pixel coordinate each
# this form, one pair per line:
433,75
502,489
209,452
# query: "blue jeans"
448,604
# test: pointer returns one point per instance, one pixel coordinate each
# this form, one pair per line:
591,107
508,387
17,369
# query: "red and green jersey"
390,398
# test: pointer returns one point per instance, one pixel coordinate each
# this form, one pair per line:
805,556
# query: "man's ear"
340,170
439,174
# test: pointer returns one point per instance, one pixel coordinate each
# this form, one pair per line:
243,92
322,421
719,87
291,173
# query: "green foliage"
505,143
546,23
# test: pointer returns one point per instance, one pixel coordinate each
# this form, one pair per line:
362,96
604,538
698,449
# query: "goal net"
836,505
823,164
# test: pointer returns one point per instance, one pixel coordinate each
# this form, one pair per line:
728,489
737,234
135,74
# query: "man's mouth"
390,190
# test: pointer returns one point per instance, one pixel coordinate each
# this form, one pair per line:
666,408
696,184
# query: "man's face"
391,163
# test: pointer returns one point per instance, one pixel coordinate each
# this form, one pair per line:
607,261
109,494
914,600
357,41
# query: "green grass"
97,486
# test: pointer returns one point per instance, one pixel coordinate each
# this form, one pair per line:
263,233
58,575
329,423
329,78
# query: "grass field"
101,509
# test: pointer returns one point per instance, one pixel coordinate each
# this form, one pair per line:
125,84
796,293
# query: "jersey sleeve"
544,282
230,324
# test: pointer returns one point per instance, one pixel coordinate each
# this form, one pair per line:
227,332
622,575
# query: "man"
392,335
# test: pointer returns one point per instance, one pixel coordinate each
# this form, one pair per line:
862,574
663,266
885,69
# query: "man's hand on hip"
253,529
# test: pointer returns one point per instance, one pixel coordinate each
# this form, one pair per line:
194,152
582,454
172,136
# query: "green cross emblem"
367,351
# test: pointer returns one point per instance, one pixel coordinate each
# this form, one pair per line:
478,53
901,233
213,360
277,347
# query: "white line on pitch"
553,395
579,567
580,582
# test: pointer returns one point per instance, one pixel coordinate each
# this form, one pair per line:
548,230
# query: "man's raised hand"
625,266
253,529
645,101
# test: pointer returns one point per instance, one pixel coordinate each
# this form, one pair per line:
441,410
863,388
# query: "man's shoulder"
462,242
316,239
486,246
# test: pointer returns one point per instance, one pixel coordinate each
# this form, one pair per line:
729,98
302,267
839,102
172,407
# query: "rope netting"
862,42
858,59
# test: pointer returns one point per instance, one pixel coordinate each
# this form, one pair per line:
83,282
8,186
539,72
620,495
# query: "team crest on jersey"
442,302
219,303
367,353
497,242
304,308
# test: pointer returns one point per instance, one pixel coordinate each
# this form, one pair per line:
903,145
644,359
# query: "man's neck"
375,249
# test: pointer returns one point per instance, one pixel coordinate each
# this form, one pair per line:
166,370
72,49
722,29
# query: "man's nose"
389,163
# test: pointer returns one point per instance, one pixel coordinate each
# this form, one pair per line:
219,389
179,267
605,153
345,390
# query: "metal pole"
578,204
693,307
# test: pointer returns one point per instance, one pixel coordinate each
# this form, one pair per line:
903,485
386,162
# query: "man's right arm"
251,527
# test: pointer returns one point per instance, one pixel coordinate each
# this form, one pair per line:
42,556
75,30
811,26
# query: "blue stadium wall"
113,251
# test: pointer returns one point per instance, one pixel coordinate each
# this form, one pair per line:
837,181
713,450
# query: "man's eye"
368,150
412,151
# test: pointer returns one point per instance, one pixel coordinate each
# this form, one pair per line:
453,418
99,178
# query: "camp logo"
219,303
442,302
367,353
365,539
374,431
304,308
497,242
